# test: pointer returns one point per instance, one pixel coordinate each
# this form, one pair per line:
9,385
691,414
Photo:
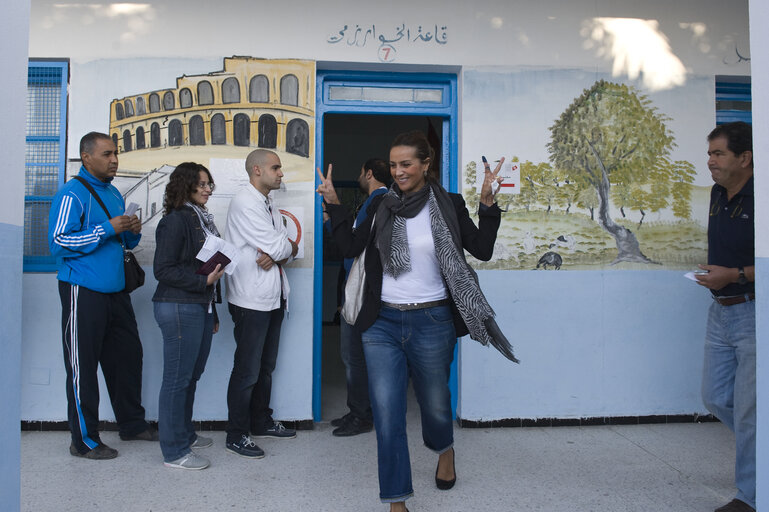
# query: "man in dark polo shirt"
729,374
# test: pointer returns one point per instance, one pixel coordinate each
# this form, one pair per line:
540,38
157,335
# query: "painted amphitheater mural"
217,119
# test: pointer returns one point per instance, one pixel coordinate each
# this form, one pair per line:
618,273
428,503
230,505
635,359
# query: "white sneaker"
190,461
202,442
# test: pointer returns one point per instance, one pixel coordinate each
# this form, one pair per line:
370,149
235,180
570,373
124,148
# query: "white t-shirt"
424,282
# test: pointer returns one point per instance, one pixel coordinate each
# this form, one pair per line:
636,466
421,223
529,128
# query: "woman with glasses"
419,295
184,309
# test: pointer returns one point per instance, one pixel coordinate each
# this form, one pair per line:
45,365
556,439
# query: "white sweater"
252,229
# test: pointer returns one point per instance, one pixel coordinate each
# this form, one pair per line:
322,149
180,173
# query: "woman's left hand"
489,178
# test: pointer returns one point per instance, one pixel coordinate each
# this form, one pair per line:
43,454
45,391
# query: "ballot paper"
131,209
214,245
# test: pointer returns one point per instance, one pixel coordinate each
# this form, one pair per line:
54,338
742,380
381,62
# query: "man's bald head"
257,157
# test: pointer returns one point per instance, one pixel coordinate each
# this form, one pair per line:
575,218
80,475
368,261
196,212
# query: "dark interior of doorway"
348,141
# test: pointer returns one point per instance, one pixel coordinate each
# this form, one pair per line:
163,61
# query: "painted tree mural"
612,135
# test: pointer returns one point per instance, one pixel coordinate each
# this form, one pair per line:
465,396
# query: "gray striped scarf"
459,276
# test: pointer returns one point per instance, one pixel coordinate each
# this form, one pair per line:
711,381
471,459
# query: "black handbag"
134,273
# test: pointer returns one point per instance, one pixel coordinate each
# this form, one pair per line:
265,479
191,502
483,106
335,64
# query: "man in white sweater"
257,292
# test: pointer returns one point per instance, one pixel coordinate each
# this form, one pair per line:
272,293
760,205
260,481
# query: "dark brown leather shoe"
150,434
736,506
101,452
445,485
352,427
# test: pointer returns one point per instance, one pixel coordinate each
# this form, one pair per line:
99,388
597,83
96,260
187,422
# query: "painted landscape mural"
610,189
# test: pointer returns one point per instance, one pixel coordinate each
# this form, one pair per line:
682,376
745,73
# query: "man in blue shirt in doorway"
373,180
729,373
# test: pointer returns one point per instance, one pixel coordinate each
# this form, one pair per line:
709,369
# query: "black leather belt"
736,299
416,305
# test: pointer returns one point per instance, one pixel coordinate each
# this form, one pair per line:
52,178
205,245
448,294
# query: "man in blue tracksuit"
373,180
98,322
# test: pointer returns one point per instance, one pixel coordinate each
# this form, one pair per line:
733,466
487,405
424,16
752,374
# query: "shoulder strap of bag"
94,194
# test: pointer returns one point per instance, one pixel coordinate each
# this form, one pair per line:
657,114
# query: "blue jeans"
417,343
356,375
187,331
257,334
729,385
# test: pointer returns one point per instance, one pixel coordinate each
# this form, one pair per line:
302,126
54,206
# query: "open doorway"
348,141
358,114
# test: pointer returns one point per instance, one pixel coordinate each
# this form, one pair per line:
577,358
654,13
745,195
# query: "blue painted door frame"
446,109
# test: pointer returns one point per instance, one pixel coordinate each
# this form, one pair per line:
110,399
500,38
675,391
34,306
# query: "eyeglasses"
210,186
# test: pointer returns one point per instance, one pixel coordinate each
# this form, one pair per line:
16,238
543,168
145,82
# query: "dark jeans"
100,329
417,343
187,331
351,348
257,334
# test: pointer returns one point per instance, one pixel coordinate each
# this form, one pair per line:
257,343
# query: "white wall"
13,84
601,343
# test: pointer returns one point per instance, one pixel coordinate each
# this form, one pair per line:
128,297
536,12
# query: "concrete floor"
673,467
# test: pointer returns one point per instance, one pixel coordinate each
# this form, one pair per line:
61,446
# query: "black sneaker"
245,447
278,431
352,427
101,452
338,422
151,434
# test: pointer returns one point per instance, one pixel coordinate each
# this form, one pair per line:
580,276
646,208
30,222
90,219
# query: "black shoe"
338,422
736,506
352,427
445,485
150,434
245,447
276,431
101,452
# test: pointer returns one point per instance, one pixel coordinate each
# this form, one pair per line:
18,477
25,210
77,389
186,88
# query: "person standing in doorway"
373,180
729,373
257,295
97,318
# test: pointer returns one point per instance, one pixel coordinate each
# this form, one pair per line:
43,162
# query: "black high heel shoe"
445,485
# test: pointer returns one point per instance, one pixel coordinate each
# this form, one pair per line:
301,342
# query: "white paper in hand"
214,244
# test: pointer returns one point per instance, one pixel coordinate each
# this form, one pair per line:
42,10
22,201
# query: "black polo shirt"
731,238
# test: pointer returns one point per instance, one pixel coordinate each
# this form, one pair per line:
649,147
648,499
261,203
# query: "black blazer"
178,239
478,241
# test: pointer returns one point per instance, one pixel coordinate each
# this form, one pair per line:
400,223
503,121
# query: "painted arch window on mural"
155,135
218,129
140,110
289,90
175,136
114,139
127,141
129,108
185,98
268,131
298,137
140,140
197,132
205,93
169,103
231,90
242,129
259,89
154,103
119,111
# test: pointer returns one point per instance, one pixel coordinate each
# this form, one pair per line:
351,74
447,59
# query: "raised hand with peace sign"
326,188
489,178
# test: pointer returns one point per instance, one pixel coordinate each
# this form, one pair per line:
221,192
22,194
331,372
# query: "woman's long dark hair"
182,183
417,140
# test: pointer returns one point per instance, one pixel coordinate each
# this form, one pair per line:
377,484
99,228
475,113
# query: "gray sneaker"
190,461
202,442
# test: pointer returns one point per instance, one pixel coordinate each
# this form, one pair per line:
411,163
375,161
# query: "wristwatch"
742,279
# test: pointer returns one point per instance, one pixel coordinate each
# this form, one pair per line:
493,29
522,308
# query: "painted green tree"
611,134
